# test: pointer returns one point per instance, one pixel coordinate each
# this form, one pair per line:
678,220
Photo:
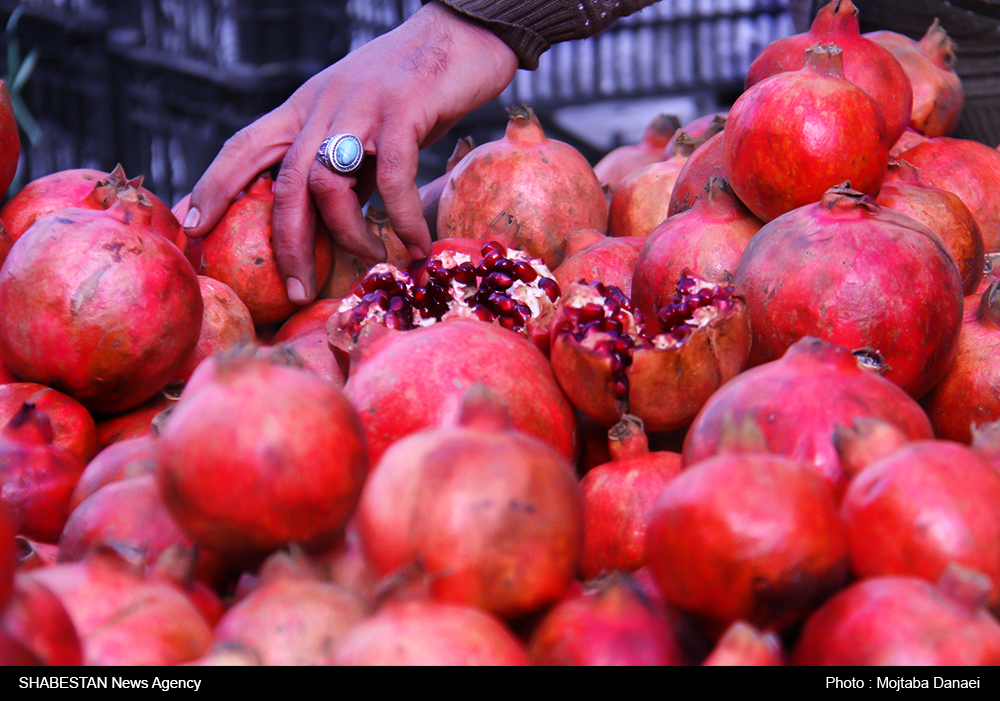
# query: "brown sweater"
529,27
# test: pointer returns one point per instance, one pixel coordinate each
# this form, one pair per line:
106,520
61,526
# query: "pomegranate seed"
620,388
500,281
493,247
591,312
507,322
524,310
501,303
421,298
397,304
466,274
505,266
550,287
524,272
484,314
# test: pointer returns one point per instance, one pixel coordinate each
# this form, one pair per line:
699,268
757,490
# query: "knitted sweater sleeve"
529,27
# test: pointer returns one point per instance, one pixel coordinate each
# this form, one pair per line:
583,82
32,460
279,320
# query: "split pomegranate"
284,446
68,284
610,624
617,499
485,515
966,395
793,136
624,159
790,407
866,64
903,514
902,621
929,64
858,275
767,549
72,426
38,477
238,252
545,184
610,363
10,141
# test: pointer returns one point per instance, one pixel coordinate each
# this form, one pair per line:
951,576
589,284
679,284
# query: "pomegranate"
610,260
8,554
238,253
866,64
903,514
348,268
38,477
608,363
545,184
903,621
133,423
795,135
10,141
742,645
5,243
865,441
82,188
908,140
858,275
131,457
767,549
929,64
707,240
942,212
309,318
967,396
225,323
286,447
624,159
122,617
791,406
487,516
72,426
617,499
642,199
610,624
66,288
426,633
38,620
968,169
416,380
291,617
15,654
430,194
704,127
704,163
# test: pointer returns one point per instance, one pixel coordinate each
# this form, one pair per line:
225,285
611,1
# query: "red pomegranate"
38,477
624,159
706,240
131,457
72,426
134,422
430,633
10,140
487,516
790,407
545,184
8,554
858,275
225,323
865,441
866,64
69,284
743,645
610,624
966,395
5,243
238,253
609,260
617,499
394,400
929,64
37,619
942,212
608,363
82,188
311,317
901,621
767,549
704,127
908,140
903,514
704,163
968,169
793,136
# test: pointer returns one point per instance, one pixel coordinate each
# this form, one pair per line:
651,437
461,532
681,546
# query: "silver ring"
341,153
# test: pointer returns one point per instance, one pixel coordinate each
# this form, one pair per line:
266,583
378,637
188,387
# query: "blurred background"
159,85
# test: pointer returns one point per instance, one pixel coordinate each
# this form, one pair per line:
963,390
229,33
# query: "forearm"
529,27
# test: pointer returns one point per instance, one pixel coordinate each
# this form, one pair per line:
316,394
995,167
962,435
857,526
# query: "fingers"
396,179
250,151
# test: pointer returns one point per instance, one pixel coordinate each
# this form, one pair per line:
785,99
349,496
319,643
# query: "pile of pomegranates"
733,408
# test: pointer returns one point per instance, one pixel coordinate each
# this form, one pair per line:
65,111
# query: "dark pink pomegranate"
779,154
72,425
743,645
858,275
791,406
37,619
624,159
903,621
609,363
866,64
225,323
902,514
610,260
865,441
705,162
767,549
68,285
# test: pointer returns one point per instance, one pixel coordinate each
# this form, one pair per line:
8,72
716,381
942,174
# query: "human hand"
397,93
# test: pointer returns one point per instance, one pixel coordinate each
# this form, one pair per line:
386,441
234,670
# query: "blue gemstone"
347,152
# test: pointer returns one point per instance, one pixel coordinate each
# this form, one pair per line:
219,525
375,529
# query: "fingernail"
296,290
416,253
192,218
